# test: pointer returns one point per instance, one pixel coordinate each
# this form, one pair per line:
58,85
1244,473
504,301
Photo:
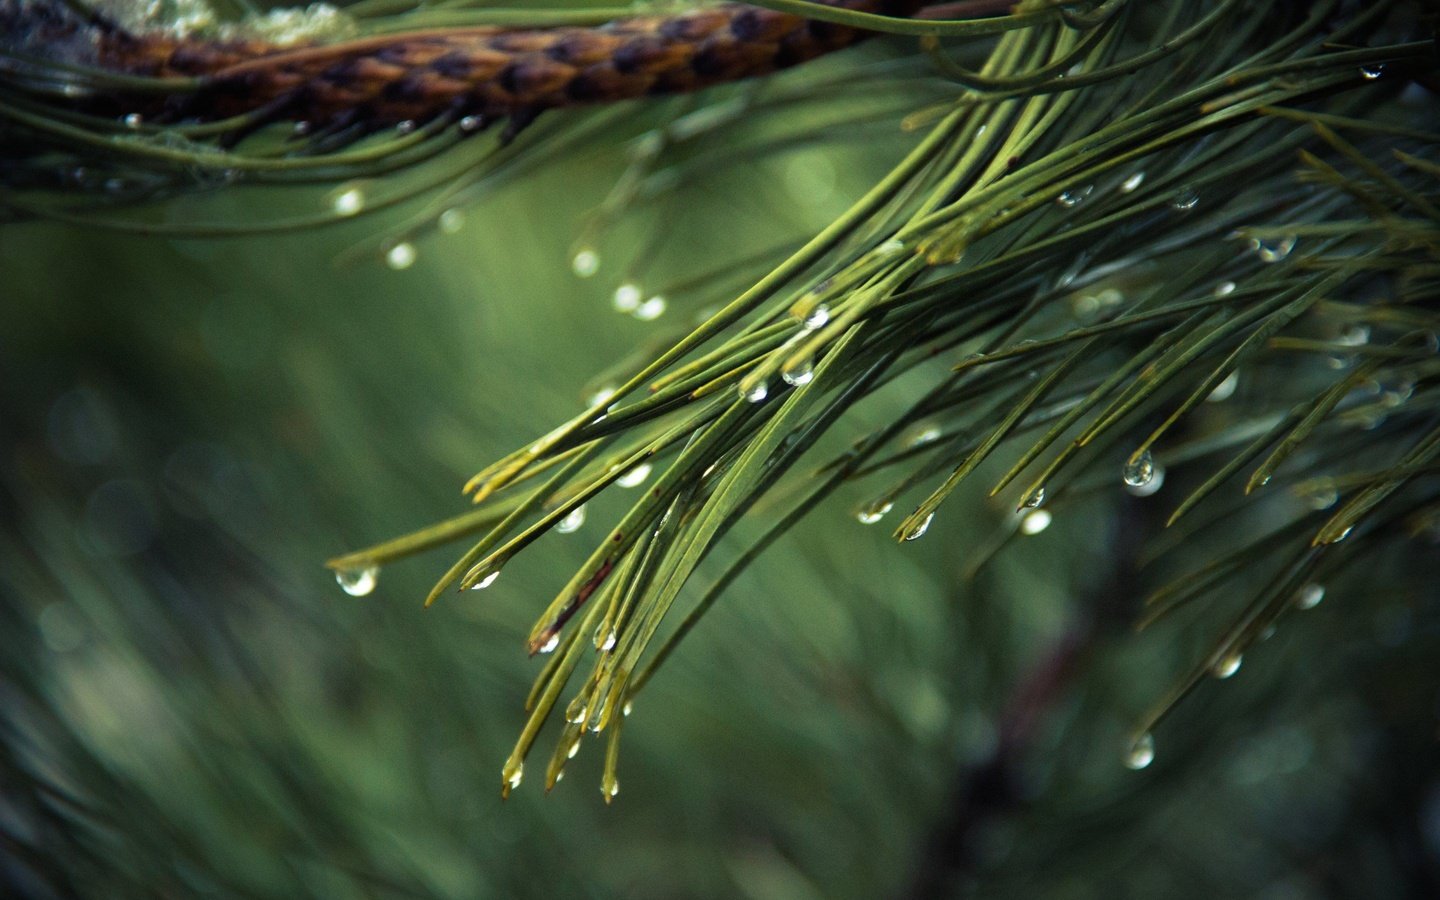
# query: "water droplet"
451,221
816,317
586,263
486,581
1073,198
754,393
798,374
576,712
358,582
1185,200
300,128
574,749
628,708
635,477
609,641
1354,336
1342,535
550,645
133,120
1273,250
1033,499
405,127
651,309
400,256
1224,289
1309,596
572,521
1324,495
627,297
891,247
1372,71
472,124
874,511
1139,470
602,396
1227,665
1141,753
513,773
1157,481
1132,183
347,200
1035,521
1225,389
609,787
918,530
922,434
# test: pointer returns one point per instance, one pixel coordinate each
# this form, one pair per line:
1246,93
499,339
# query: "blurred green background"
191,706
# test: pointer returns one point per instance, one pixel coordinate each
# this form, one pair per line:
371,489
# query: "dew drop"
400,256
799,374
1309,596
816,318
1157,481
358,582
1035,521
1273,250
1073,198
891,247
874,511
1354,336
1139,470
602,396
1033,499
1224,289
1372,72
609,787
574,749
635,477
572,521
585,263
1225,389
133,121
754,393
1324,496
485,582
576,712
609,642
405,127
1186,200
1227,665
1342,535
651,309
626,298
628,708
922,434
451,221
513,773
347,200
1132,183
472,124
918,530
1141,753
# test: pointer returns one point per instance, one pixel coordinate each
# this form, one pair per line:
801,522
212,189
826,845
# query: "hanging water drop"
1139,470
486,581
1273,250
133,121
1325,495
1372,71
1074,197
450,221
358,582
1132,183
550,645
754,393
609,786
651,309
400,256
816,317
1227,665
585,263
798,374
1157,480
348,200
918,530
874,511
1225,389
1033,499
891,247
922,434
628,708
1035,521
1141,753
1354,336
1309,596
512,774
608,643
626,298
572,521
635,477
1224,289
1186,200
576,712
405,127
